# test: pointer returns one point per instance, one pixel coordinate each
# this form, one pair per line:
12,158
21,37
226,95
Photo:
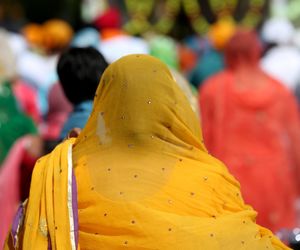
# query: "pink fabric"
27,98
59,109
9,187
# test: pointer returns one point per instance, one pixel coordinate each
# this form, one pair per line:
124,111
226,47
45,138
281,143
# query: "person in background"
187,58
111,18
20,145
79,71
13,122
137,177
115,42
27,99
37,64
59,109
251,122
164,48
25,95
282,58
212,60
86,37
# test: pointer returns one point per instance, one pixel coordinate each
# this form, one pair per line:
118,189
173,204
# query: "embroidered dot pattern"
135,176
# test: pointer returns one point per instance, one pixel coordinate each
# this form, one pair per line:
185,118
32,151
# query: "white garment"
119,46
278,30
17,43
283,63
37,69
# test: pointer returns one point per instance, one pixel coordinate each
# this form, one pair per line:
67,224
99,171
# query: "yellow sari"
144,177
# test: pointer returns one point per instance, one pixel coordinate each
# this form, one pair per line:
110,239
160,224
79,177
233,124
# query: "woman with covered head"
144,178
250,121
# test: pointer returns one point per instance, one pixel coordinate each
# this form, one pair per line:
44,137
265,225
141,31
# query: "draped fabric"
48,220
144,177
251,122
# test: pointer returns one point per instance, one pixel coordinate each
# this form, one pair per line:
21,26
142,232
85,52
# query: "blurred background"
190,36
175,18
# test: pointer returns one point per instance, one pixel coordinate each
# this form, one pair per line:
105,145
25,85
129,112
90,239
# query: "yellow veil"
144,177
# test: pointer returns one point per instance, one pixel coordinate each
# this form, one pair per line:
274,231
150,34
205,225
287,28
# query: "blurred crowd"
244,86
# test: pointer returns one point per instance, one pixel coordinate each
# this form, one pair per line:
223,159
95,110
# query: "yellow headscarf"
144,177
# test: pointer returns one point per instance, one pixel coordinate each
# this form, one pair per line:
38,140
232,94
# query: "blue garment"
86,37
210,63
77,118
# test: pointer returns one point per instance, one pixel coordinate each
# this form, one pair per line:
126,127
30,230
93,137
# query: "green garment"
165,49
13,123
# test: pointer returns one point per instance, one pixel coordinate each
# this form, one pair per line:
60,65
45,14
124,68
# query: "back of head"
138,102
244,48
79,71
